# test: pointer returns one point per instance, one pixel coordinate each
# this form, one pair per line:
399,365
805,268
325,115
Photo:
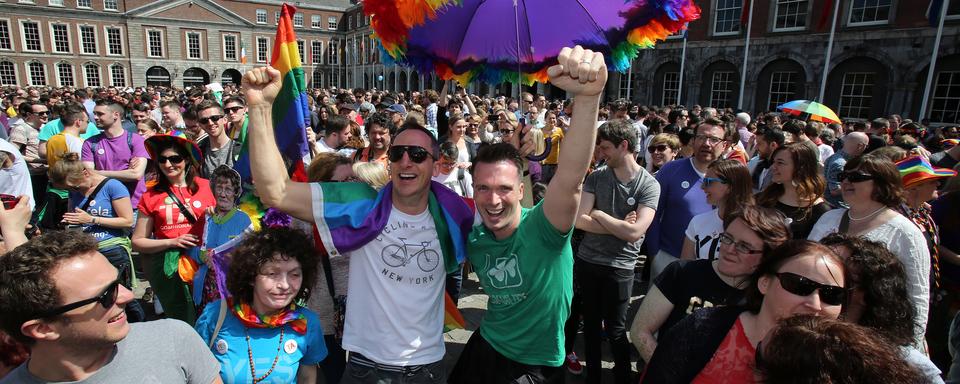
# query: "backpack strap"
94,194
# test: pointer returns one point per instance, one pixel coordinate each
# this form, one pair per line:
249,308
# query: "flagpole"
630,80
826,63
746,55
933,60
683,59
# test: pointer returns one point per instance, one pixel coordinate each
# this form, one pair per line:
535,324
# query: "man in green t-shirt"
523,256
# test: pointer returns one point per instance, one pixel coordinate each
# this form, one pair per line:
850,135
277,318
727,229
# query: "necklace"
253,371
872,214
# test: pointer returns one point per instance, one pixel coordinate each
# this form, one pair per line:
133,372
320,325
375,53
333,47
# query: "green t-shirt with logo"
529,280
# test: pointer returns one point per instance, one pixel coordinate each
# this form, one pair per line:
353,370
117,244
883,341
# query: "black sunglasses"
213,119
106,298
417,154
175,159
506,131
657,148
232,109
41,113
802,286
855,176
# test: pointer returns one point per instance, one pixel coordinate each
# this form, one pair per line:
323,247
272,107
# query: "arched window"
92,74
118,75
65,74
38,73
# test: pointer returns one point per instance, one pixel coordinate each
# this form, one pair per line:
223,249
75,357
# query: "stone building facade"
879,64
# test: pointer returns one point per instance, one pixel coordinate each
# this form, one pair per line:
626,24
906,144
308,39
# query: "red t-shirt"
168,221
732,362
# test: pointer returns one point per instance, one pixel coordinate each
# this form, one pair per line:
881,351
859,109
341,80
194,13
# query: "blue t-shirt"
681,198
102,206
217,231
55,126
230,348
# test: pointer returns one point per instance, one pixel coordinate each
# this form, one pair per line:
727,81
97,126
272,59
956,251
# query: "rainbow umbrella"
516,41
815,110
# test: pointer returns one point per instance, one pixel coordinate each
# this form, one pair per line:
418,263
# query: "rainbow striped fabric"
291,114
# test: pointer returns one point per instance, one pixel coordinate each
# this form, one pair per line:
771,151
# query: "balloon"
379,77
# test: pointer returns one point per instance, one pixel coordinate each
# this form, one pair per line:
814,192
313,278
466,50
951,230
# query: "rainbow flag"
452,318
291,114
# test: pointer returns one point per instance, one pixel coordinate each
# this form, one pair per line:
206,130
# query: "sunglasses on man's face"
855,176
232,110
802,286
417,154
106,298
212,119
175,159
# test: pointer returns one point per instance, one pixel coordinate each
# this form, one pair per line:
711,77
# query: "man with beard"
681,194
379,128
336,134
116,153
768,140
65,301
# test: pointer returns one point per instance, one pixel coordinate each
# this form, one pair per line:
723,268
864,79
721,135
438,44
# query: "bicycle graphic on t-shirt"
396,255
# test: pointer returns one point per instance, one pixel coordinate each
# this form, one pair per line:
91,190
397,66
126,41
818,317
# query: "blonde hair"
68,168
537,136
371,173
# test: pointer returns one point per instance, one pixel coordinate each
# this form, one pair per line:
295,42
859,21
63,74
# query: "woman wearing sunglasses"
170,221
877,298
685,287
797,187
101,207
718,344
728,187
662,148
872,188
260,334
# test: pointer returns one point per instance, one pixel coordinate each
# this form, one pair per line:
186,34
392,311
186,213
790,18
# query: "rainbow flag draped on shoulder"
353,214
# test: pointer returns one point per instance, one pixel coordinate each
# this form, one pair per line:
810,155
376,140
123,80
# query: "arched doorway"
230,77
780,81
158,76
317,79
391,82
403,82
720,85
195,77
414,82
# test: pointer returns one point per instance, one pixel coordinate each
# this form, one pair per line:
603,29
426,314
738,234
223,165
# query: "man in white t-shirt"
395,313
450,173
14,175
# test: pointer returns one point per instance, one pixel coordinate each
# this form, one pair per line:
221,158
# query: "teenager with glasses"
65,302
689,286
217,148
728,187
719,344
171,219
25,135
873,189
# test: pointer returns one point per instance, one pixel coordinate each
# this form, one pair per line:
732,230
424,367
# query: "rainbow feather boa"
647,23
291,316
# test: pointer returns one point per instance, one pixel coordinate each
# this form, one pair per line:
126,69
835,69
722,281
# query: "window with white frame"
349,22
110,5
88,40
31,36
332,22
55,3
333,55
298,19
154,43
8,73
671,89
114,41
84,3
721,87
791,15
5,43
37,73
92,74
783,87
624,83
302,48
261,16
866,12
262,49
194,49
61,38
316,21
316,51
945,107
276,17
726,18
856,95
230,47
118,75
65,75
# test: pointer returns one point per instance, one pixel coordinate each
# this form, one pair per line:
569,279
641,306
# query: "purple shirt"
681,198
114,154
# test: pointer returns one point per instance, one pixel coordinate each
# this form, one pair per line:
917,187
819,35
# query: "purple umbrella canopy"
517,40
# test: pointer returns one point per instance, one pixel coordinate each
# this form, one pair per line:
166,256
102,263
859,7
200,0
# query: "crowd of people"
778,249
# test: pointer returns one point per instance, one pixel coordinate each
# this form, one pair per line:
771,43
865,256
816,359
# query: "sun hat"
161,141
917,169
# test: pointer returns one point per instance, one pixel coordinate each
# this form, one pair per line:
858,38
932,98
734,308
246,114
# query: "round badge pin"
685,184
290,346
100,151
631,201
93,202
196,203
222,346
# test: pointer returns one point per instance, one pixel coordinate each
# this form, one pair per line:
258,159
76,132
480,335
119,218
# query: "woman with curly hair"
260,334
810,349
878,299
797,187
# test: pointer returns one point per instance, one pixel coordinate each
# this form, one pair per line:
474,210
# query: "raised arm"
260,87
582,73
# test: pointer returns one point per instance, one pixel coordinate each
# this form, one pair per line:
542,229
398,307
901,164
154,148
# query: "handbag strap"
93,195
216,330
183,209
844,222
325,259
